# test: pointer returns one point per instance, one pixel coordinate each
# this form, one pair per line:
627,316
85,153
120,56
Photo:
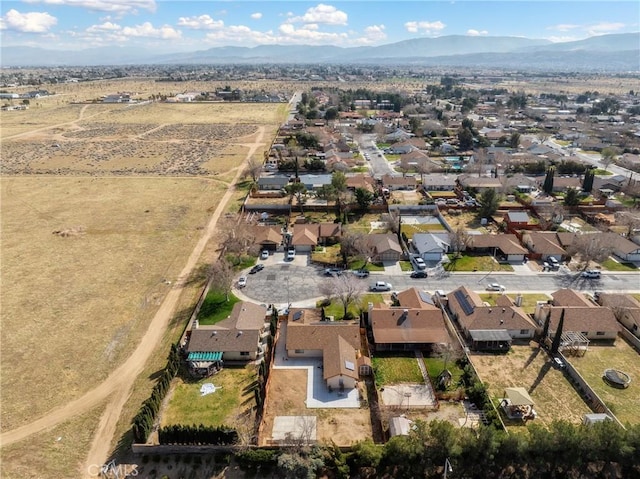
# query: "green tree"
331,113
465,139
514,140
489,203
364,198
415,124
547,186
587,182
572,197
299,191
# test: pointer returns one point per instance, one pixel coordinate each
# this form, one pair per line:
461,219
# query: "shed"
399,426
589,419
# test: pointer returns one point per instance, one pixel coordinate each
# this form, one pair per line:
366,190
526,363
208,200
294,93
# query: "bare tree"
222,276
358,245
590,247
608,155
237,236
346,289
254,168
458,241
629,220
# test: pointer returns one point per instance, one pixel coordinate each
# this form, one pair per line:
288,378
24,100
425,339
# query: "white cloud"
476,33
117,6
147,30
104,27
604,28
256,16
31,22
309,34
202,22
428,28
373,34
562,39
321,13
563,27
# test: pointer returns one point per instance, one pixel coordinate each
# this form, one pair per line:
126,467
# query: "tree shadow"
543,372
531,357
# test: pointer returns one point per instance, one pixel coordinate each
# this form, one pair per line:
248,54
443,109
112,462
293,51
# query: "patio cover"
518,396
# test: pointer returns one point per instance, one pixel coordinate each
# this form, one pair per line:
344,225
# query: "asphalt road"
297,282
378,164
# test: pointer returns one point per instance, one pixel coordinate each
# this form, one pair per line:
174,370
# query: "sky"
188,25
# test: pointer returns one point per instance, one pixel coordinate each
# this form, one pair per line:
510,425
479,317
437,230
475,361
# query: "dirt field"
92,259
529,367
286,396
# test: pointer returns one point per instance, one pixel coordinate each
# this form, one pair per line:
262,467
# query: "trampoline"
616,378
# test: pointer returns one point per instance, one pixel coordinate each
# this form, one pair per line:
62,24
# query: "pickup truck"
380,286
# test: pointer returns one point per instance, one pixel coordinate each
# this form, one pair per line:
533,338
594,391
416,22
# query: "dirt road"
119,383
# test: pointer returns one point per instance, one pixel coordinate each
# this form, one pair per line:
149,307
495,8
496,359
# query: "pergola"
574,343
517,404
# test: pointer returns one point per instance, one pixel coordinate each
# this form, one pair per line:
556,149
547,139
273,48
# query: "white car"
380,286
591,274
242,281
495,287
419,262
264,254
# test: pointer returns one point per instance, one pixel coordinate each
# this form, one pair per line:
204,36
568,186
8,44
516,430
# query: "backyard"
393,369
232,399
531,368
624,403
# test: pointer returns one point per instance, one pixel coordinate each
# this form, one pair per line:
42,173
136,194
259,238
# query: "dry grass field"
101,207
286,397
530,368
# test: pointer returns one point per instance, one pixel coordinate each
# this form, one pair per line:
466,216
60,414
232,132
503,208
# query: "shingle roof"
339,358
415,298
581,319
543,242
570,297
400,325
507,243
309,332
384,242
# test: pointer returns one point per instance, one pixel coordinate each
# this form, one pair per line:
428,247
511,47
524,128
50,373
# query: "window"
524,331
244,353
600,333
299,351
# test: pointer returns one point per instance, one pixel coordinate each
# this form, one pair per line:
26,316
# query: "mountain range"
619,52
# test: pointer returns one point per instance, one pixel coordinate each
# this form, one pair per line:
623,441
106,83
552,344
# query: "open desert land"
88,256
531,368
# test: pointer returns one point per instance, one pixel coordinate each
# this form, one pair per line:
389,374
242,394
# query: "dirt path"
45,128
121,380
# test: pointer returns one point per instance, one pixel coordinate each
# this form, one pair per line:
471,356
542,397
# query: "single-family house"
305,237
360,180
431,246
416,324
313,182
625,307
503,247
480,184
268,237
595,322
516,220
438,182
272,182
392,182
489,328
401,148
385,247
622,247
310,335
241,337
544,244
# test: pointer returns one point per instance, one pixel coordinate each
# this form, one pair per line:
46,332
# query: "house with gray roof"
431,246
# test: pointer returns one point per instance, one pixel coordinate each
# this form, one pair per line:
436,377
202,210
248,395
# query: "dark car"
419,274
256,268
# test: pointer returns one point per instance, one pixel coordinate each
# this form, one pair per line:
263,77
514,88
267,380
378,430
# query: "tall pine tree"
556,339
547,187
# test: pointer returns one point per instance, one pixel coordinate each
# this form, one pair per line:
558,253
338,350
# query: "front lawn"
187,406
215,307
528,300
329,255
613,265
601,172
359,263
390,369
475,263
405,265
336,309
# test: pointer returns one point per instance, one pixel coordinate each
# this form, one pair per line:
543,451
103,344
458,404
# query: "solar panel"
349,365
466,306
297,315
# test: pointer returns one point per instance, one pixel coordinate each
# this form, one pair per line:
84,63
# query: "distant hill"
619,52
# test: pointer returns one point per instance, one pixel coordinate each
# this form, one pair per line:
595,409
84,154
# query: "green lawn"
392,157
329,255
215,307
601,172
475,263
613,265
436,365
336,309
187,406
405,265
624,403
359,263
390,369
528,300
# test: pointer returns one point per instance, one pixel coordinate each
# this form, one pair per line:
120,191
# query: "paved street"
297,282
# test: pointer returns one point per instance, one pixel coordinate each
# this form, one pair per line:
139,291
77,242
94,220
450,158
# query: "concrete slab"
294,428
408,396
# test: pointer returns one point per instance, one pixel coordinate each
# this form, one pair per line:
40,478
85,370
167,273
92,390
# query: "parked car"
495,287
256,268
361,273
591,274
264,254
419,274
333,272
242,281
380,286
291,253
419,262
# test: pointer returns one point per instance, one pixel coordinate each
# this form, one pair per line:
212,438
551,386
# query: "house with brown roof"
489,328
596,323
307,236
544,244
310,335
268,237
385,247
503,247
241,337
416,324
626,309
360,180
399,182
